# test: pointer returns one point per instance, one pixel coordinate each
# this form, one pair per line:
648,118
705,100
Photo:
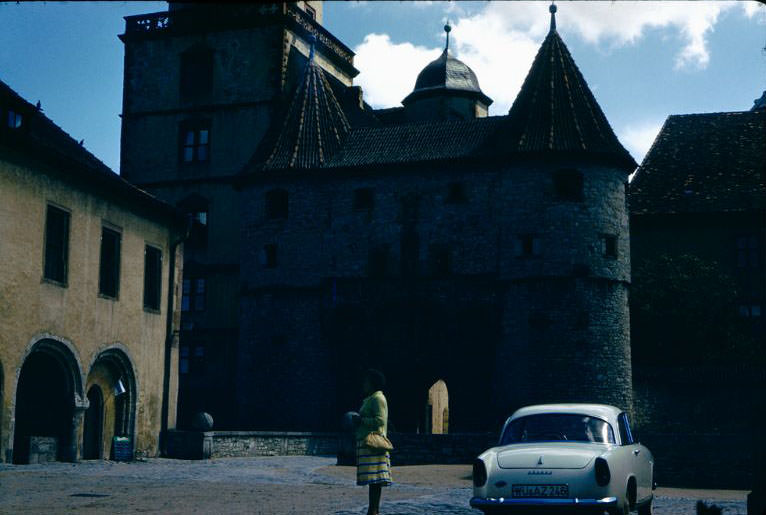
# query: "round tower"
566,255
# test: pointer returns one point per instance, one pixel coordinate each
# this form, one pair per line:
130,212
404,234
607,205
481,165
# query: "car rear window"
555,427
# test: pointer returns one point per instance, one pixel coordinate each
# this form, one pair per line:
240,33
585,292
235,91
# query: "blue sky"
643,60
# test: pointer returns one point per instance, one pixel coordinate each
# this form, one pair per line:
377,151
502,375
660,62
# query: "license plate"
545,491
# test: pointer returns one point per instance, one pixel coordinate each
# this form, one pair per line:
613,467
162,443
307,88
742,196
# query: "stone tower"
566,320
202,83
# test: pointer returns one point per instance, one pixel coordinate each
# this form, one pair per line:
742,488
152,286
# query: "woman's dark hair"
376,378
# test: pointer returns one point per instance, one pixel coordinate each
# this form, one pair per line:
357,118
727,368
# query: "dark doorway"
44,405
94,423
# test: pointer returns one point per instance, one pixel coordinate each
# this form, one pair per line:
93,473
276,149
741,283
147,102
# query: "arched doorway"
112,376
46,407
92,437
437,409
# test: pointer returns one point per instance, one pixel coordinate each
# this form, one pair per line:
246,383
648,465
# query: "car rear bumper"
481,502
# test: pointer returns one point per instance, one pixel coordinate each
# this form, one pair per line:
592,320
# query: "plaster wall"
34,309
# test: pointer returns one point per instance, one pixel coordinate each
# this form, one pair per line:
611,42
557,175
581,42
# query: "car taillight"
602,472
479,473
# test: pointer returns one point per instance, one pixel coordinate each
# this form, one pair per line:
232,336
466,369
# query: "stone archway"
48,404
112,375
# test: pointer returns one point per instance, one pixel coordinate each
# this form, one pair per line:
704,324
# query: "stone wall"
410,449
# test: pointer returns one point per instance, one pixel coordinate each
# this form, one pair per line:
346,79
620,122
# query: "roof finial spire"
447,29
552,10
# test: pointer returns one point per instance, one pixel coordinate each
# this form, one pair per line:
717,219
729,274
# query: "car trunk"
551,455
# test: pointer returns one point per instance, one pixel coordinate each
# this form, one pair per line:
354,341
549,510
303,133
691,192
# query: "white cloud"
500,41
388,70
638,138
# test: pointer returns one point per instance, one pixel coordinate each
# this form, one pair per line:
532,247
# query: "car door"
640,459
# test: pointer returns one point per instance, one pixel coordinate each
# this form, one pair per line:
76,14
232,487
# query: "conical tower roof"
314,127
556,112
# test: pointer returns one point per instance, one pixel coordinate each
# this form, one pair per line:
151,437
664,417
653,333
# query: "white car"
580,456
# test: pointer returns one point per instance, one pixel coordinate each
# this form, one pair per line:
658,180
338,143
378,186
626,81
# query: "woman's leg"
375,491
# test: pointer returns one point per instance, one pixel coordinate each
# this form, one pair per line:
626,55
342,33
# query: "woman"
373,467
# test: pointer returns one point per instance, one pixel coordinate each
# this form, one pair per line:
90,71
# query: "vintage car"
577,456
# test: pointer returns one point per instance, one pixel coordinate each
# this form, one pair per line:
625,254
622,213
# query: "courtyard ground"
268,485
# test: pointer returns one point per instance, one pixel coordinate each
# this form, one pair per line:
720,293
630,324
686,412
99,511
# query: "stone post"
72,450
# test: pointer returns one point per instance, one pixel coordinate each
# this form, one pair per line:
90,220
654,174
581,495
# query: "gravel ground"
269,485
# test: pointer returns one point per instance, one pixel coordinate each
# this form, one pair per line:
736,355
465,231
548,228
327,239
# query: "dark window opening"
109,270
269,256
198,359
198,233
364,199
440,260
14,119
568,185
750,310
56,245
748,255
410,253
193,294
196,74
456,193
378,261
527,245
152,277
609,245
276,204
195,142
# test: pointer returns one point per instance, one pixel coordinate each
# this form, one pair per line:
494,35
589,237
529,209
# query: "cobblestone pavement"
269,485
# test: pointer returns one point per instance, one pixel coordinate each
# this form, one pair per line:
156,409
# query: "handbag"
377,442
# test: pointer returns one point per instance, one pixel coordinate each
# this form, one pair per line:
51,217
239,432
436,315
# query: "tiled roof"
702,163
446,74
314,126
555,111
416,142
41,139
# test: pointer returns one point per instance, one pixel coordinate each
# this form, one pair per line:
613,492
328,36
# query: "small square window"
609,246
456,193
276,204
14,119
195,142
364,199
568,185
269,256
527,245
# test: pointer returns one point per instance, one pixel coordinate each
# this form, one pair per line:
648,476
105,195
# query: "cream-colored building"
88,335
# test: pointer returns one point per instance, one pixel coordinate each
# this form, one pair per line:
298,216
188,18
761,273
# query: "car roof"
603,411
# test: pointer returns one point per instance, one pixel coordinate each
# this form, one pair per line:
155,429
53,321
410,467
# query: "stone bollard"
347,440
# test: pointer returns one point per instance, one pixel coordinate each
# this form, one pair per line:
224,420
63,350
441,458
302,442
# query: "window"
364,199
377,263
440,260
196,207
276,204
527,245
183,362
193,294
198,359
311,12
195,142
609,246
56,245
14,119
196,74
747,251
456,193
568,185
109,269
410,252
269,256
750,310
626,436
152,277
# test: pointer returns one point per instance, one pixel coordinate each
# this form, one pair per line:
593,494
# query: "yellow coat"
374,415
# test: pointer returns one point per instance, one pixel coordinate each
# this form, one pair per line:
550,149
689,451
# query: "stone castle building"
87,302
431,240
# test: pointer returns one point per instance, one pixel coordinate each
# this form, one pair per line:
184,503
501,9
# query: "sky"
643,60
